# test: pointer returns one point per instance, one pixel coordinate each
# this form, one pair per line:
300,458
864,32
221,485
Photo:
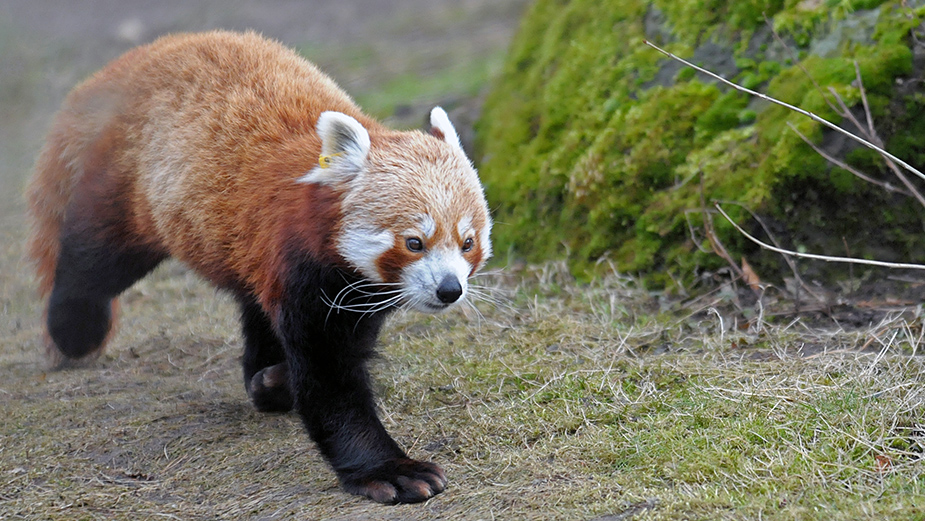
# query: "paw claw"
402,480
269,389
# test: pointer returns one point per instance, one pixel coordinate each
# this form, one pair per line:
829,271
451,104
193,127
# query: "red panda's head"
413,213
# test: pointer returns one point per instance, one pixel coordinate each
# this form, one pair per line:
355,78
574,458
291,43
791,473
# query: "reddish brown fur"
95,160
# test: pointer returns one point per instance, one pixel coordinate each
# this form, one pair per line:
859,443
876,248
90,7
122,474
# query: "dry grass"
564,402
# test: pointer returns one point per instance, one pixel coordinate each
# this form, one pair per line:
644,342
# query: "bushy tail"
47,195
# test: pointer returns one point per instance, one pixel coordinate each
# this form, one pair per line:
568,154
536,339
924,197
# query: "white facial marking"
421,278
428,225
362,245
464,226
485,241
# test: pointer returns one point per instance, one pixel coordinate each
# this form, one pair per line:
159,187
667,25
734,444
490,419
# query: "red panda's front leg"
327,354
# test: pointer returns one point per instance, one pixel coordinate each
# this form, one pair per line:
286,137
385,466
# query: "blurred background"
397,58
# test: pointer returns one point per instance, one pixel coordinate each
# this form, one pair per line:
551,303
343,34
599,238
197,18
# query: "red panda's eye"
414,244
467,244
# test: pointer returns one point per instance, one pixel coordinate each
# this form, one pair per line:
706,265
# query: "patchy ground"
550,400
559,402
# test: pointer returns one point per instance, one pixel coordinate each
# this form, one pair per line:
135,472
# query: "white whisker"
478,314
369,305
359,293
488,273
490,295
361,286
396,300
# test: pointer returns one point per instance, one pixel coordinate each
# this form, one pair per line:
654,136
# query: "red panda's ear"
441,128
344,147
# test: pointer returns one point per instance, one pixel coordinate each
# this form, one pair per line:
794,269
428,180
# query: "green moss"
691,20
589,151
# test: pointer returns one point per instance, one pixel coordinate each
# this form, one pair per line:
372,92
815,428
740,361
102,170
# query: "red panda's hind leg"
89,275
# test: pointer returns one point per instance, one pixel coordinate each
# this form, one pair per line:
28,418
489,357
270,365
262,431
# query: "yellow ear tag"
325,161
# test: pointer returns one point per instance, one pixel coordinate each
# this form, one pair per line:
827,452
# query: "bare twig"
693,232
806,113
846,113
826,258
787,259
905,180
870,119
796,60
710,232
845,166
870,133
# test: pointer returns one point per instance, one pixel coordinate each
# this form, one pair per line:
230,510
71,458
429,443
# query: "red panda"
236,156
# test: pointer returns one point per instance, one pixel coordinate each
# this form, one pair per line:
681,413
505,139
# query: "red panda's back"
190,144
228,115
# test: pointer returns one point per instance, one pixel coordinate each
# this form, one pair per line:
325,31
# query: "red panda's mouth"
436,307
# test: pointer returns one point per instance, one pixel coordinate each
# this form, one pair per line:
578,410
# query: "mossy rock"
595,146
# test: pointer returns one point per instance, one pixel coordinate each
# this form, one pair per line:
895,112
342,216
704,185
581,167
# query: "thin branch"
846,113
710,232
841,164
787,259
905,180
819,257
690,228
808,114
873,137
799,63
870,133
870,119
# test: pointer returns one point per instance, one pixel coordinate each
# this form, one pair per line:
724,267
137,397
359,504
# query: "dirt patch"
137,434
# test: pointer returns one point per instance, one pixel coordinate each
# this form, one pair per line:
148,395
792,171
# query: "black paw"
400,480
269,389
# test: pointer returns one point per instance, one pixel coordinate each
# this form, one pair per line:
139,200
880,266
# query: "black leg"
327,355
337,407
88,276
266,376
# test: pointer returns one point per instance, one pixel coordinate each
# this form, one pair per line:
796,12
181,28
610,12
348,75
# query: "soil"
176,358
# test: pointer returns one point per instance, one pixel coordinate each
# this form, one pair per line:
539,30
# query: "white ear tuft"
344,147
341,133
442,128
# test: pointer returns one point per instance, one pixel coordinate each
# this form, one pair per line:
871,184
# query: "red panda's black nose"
449,290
